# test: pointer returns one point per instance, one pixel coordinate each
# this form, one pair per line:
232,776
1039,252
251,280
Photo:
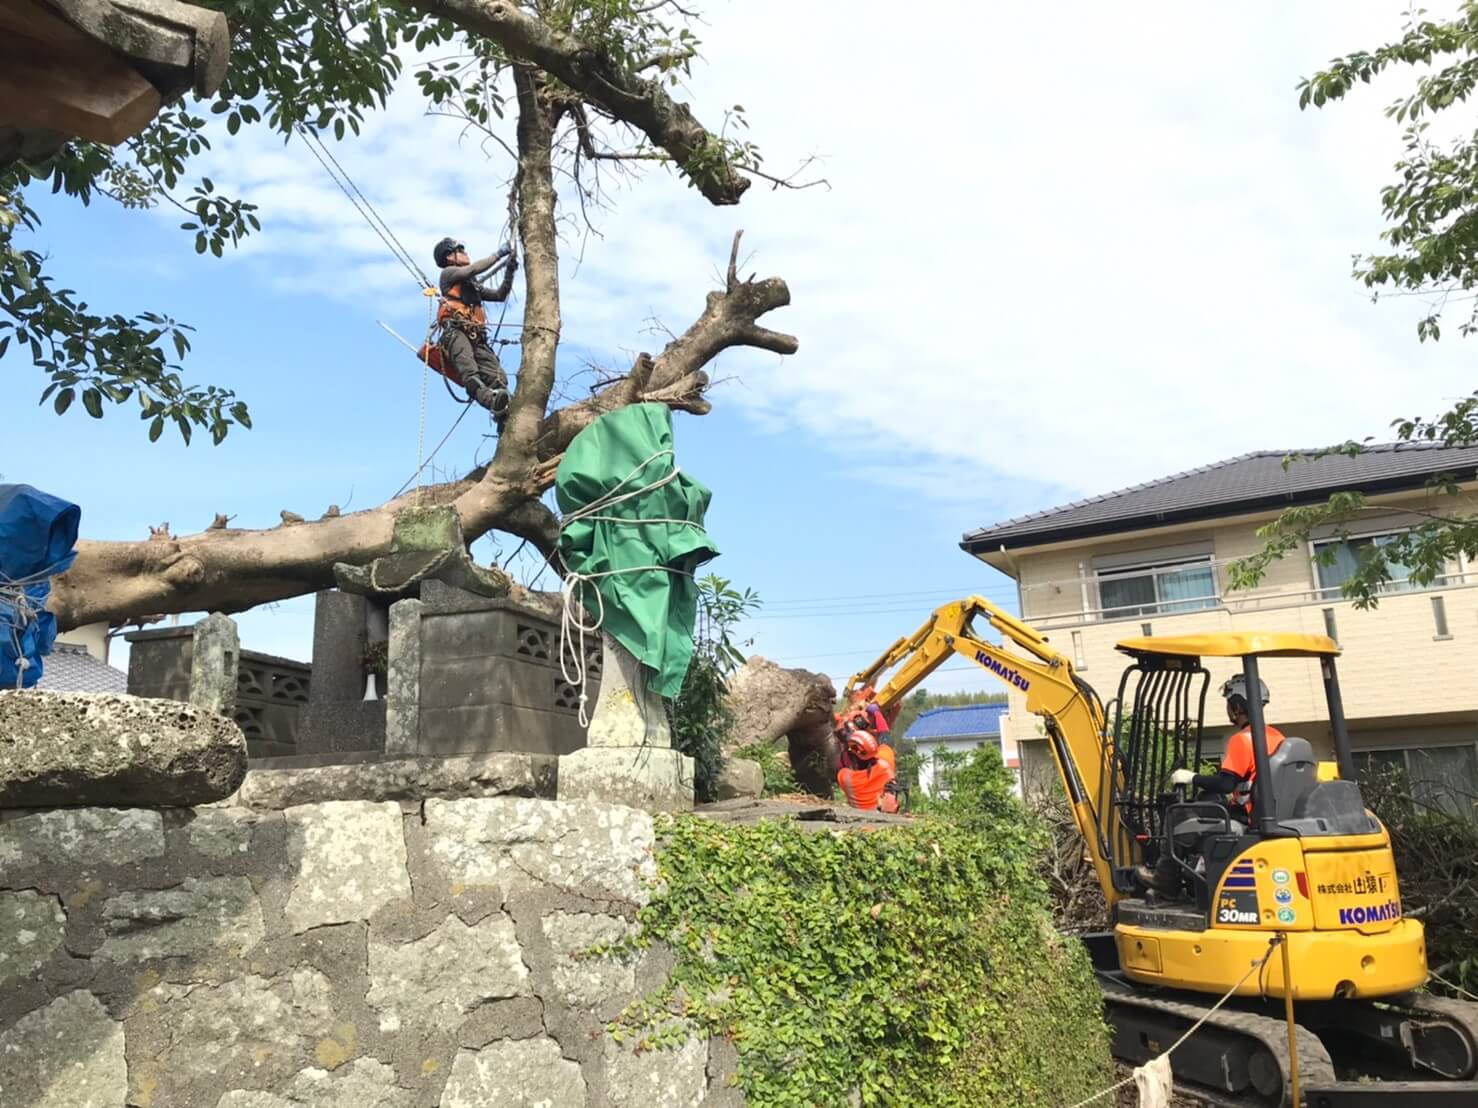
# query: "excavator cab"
1158,725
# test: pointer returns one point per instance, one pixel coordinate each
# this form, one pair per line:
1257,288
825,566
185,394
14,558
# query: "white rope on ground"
1162,1060
572,628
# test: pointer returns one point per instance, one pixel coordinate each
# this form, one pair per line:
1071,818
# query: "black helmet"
1235,691
445,249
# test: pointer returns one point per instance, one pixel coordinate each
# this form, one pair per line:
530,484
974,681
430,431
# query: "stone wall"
340,954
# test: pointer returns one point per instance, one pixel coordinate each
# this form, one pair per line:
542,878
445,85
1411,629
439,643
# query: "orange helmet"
862,744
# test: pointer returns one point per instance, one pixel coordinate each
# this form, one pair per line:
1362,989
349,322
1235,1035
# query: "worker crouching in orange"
868,771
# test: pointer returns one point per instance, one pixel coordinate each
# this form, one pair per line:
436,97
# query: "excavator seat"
1295,772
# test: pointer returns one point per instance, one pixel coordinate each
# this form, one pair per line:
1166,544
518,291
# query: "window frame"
1390,588
1155,569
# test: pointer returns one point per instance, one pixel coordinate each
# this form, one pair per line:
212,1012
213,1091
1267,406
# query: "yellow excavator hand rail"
1076,726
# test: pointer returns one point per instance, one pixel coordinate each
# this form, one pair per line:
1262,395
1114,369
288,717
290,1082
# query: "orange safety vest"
1240,761
453,306
863,788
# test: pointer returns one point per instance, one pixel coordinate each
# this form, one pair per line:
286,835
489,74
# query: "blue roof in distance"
952,723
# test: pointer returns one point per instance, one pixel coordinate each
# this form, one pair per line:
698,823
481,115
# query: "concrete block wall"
342,954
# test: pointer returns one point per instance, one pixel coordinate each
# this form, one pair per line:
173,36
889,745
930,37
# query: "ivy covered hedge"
911,965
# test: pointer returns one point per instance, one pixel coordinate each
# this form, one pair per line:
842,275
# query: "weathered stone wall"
347,953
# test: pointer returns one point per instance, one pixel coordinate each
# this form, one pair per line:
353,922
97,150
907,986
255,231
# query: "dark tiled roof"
1251,482
957,722
71,668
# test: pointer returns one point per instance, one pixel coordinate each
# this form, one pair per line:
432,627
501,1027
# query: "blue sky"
1056,257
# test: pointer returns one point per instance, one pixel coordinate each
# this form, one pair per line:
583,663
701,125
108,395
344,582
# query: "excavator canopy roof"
1235,644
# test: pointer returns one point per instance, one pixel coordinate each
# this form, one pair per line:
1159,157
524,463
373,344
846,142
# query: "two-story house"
1152,560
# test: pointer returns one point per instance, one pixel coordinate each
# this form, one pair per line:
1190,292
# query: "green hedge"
913,965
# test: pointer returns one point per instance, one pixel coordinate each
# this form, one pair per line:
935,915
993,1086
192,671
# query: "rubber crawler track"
1314,1065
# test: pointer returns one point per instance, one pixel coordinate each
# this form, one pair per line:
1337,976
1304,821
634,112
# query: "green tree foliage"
1431,251
700,715
910,965
296,65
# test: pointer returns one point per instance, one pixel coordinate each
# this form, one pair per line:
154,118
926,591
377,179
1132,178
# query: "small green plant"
699,714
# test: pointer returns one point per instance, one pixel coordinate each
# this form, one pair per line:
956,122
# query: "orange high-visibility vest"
863,788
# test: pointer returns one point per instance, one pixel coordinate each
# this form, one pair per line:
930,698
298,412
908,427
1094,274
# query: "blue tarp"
38,532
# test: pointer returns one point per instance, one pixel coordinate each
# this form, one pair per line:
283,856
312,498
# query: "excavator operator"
464,325
1233,780
1238,766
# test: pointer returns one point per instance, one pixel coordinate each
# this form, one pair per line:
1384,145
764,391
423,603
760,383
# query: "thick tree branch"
594,74
676,377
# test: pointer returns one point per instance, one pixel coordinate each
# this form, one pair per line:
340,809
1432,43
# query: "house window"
1442,777
1344,559
1183,586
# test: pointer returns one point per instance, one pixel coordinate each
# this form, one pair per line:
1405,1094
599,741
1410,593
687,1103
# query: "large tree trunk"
231,569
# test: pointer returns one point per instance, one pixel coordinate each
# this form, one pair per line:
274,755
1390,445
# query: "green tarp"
648,609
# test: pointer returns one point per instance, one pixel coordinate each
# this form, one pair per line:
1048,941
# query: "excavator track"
1239,1057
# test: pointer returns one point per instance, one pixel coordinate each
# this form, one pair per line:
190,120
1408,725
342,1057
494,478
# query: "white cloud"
1065,250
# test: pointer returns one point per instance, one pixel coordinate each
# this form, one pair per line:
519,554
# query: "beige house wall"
1403,683
93,638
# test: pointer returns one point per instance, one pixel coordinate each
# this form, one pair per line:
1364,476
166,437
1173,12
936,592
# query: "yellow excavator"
1307,881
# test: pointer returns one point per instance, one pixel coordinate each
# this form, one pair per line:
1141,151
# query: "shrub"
914,964
1437,867
699,714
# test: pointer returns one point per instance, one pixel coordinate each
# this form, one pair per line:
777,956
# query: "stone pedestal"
337,719
213,665
629,759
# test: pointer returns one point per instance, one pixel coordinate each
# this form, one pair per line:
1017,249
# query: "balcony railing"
1252,600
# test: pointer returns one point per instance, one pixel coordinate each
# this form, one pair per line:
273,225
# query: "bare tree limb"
676,377
634,100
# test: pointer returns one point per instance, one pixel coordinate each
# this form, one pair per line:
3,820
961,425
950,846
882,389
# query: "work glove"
1182,777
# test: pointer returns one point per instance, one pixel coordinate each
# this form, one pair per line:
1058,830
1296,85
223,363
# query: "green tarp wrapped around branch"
633,533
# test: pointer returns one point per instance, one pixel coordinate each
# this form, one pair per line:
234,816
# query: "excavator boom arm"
1076,727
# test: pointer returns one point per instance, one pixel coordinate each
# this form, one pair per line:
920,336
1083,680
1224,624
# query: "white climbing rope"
573,628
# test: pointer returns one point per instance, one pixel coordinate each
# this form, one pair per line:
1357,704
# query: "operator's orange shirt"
1238,759
864,787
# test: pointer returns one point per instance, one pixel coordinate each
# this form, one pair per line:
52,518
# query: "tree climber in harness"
463,321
